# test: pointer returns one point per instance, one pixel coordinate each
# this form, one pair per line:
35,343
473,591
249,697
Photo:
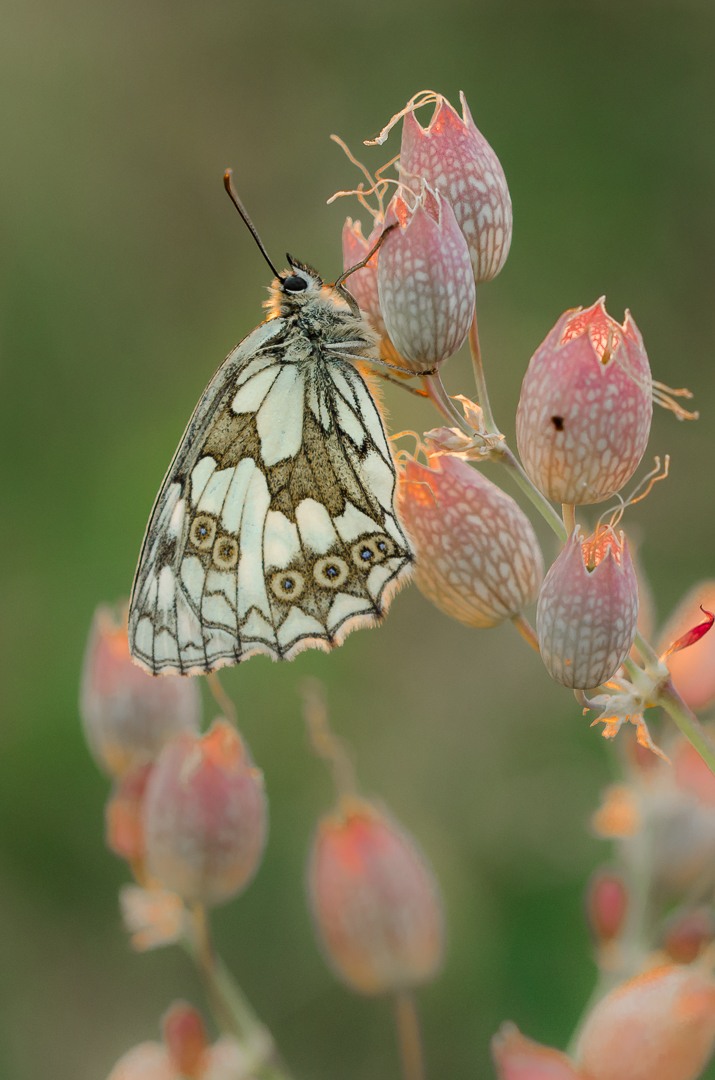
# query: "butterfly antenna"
233,196
366,260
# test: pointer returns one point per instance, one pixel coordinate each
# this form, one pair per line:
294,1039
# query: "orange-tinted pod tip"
518,1058
692,668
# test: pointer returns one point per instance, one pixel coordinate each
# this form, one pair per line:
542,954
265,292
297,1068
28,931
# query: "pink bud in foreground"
425,280
588,609
692,668
607,903
658,1026
454,157
585,408
185,1038
478,559
128,714
125,815
519,1058
687,934
375,901
205,816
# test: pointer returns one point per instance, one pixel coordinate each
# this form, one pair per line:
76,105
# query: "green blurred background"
126,278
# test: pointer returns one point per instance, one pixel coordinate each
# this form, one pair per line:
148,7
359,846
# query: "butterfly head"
297,289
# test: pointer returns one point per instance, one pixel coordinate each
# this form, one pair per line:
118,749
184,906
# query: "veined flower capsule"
454,158
375,901
588,609
127,714
205,816
425,281
585,408
658,1026
478,559
363,283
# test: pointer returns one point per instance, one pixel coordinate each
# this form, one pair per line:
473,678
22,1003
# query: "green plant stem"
670,700
232,1010
409,1037
482,395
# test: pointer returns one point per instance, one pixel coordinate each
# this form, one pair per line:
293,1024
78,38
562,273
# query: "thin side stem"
568,513
409,1037
221,698
687,721
231,1008
542,504
443,403
527,631
482,395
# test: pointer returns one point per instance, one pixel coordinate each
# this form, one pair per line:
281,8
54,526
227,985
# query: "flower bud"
687,933
205,816
125,815
658,1026
606,904
425,281
185,1053
375,901
588,609
585,408
454,158
185,1039
692,668
478,559
128,714
519,1058
619,816
363,283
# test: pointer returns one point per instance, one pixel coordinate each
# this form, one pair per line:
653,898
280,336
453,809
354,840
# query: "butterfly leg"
401,384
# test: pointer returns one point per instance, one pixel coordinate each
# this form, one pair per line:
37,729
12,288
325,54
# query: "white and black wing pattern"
275,528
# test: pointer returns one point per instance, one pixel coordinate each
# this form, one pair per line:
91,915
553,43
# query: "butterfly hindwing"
275,528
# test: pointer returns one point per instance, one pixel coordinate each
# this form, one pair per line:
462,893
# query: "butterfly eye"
330,572
287,585
203,531
294,283
225,553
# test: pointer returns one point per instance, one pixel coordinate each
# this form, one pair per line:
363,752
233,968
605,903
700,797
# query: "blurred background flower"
126,279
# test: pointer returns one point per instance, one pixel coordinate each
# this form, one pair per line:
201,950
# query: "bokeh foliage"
126,277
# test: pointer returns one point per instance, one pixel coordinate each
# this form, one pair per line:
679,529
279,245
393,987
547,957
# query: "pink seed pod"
363,283
185,1039
454,158
519,1058
478,559
585,408
127,714
205,816
124,815
607,901
658,1026
692,668
375,901
588,609
687,934
425,282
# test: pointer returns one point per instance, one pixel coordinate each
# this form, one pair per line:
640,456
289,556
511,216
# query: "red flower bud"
185,1038
375,901
692,668
606,904
519,1058
688,933
478,559
585,408
205,816
588,609
128,715
658,1026
125,815
425,280
454,158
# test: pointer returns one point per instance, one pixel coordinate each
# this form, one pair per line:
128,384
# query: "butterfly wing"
275,527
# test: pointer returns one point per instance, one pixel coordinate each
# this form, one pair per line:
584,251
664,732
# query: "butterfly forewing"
275,527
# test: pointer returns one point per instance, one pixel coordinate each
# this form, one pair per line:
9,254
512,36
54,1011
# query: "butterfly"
275,528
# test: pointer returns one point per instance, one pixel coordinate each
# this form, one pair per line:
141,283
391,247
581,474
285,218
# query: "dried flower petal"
692,668
153,916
